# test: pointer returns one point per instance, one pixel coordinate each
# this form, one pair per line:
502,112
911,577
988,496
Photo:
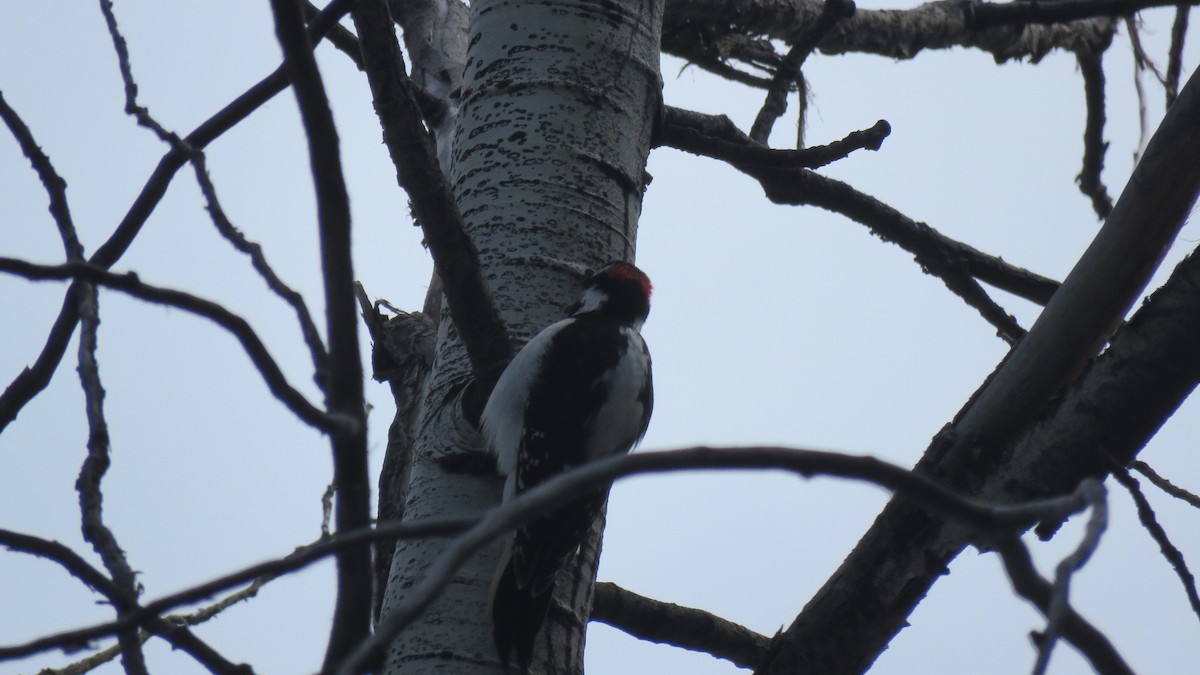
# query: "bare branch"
1059,608
1030,585
952,261
169,629
693,139
140,113
1165,485
56,187
339,36
981,518
352,609
1169,551
696,29
34,379
95,465
1094,147
130,283
308,327
1024,12
1116,405
299,559
412,149
1175,55
832,11
663,622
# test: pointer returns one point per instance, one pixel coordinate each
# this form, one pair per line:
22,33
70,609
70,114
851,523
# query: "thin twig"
1094,147
299,559
1164,484
339,36
308,327
130,283
1026,581
196,156
1175,54
928,247
1140,63
1059,608
168,628
95,465
34,379
832,11
953,261
56,187
1169,551
139,112
352,608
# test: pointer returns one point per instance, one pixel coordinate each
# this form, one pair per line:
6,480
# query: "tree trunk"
558,103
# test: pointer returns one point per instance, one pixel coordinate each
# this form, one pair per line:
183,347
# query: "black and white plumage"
579,391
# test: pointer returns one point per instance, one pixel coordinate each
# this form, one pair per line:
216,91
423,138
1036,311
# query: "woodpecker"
579,391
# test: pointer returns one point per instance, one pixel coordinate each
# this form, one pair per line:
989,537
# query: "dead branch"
132,285
1108,412
34,379
663,622
170,630
1150,522
982,519
413,152
832,11
698,29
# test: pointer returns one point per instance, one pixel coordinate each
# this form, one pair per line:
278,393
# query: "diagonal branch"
663,622
413,153
1165,485
1026,581
954,262
1169,551
177,635
301,558
258,259
130,283
1037,425
196,156
34,379
56,187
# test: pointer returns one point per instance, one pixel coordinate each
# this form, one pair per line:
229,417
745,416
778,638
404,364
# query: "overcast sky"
770,324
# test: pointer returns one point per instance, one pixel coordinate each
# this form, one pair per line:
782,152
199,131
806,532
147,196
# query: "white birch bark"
558,103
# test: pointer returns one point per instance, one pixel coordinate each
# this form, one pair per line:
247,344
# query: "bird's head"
619,291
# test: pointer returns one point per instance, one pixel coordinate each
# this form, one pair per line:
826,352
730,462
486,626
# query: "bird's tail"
517,616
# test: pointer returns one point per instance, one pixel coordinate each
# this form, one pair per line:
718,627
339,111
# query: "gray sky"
778,325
